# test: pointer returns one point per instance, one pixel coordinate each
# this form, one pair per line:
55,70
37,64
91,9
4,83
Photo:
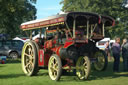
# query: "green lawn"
11,74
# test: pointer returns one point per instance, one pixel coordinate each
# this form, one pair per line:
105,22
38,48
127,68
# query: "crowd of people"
117,51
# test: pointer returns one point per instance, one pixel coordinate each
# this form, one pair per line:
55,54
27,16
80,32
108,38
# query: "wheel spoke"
32,64
55,64
29,46
26,66
54,73
31,52
52,70
56,69
26,54
30,57
52,60
51,65
85,63
85,70
28,70
29,49
29,67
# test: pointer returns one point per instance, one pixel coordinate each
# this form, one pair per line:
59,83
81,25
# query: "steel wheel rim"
28,58
53,67
82,68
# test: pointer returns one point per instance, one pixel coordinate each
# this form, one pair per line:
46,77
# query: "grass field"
11,74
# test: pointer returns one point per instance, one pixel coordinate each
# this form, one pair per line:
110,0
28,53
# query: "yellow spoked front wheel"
83,67
55,67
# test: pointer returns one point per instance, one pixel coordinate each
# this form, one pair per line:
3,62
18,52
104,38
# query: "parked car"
102,43
11,48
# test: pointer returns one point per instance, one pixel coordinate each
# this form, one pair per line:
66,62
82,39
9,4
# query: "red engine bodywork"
43,58
47,51
50,48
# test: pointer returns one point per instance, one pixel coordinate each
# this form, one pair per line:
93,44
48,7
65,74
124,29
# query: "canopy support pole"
103,31
74,28
40,32
26,33
30,34
45,33
68,29
87,29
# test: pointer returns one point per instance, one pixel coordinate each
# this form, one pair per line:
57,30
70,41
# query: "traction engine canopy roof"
62,18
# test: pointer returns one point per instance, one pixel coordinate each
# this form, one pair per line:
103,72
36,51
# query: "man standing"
125,54
116,54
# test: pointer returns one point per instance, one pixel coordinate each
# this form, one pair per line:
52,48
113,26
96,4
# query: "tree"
111,8
13,13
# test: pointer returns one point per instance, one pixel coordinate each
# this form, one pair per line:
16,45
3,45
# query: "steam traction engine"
68,44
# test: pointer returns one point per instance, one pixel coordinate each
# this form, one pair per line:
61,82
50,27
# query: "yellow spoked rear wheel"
101,62
30,58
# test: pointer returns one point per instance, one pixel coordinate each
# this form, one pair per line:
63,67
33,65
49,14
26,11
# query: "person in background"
125,54
116,54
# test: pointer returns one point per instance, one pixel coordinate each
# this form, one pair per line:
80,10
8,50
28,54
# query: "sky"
47,8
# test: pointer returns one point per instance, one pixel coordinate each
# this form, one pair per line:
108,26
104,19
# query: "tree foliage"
13,13
111,8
